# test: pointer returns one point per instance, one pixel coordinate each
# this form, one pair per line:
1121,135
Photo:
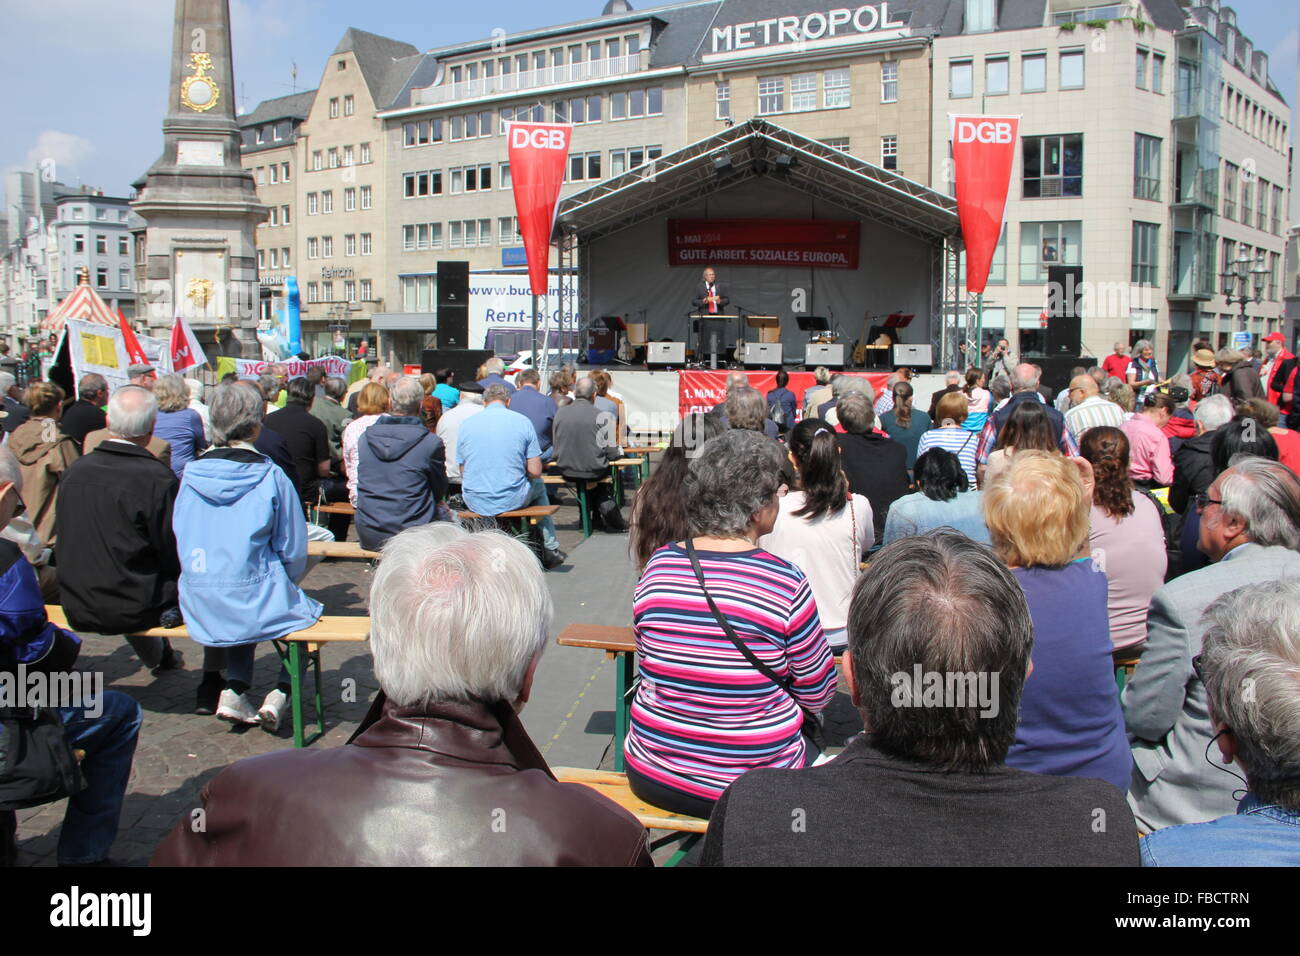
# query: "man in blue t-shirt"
501,466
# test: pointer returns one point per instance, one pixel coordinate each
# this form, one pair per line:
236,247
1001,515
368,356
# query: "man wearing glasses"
1250,529
1087,409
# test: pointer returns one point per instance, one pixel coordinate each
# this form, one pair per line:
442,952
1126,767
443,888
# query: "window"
313,292
998,267
334,158
350,245
654,101
1146,167
1229,190
618,106
260,135
367,197
1033,73
1247,201
1276,224
274,256
101,277
979,16
840,143
889,152
274,219
997,76
803,92
317,160
284,172
327,201
457,238
960,79
417,293
1053,166
471,178
367,244
508,230
284,258
722,99
636,103
1044,244
334,108
1146,252
889,81
327,291
275,174
593,109
327,247
365,154
771,95
79,243
124,279
349,157
350,200
124,242
350,291
101,245
1142,57
423,183
313,204
367,291
261,175
349,106
1072,70
584,166
261,258
408,238
313,248
457,128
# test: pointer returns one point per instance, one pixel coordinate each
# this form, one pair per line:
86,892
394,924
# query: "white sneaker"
236,708
273,708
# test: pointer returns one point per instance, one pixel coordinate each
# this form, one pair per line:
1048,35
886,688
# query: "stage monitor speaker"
665,353
453,305
832,356
1057,368
913,356
1065,317
464,363
762,353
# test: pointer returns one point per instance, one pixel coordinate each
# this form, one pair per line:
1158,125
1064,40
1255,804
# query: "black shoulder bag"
812,727
37,764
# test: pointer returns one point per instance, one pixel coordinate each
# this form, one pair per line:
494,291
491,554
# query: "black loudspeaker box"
464,362
1065,319
453,305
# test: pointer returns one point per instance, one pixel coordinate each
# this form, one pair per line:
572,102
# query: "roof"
294,106
377,58
753,149
83,304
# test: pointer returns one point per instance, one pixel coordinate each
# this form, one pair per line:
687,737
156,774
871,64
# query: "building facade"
93,232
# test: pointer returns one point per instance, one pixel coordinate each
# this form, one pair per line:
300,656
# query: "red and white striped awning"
84,305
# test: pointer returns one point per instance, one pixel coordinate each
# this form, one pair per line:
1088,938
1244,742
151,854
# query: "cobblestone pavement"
179,751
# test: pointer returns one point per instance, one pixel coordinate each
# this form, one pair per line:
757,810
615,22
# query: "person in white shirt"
471,403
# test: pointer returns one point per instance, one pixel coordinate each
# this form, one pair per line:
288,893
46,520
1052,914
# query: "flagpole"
979,331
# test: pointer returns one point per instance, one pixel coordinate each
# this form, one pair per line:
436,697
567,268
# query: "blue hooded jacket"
242,540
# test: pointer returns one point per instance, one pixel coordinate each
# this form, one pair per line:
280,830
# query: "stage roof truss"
752,150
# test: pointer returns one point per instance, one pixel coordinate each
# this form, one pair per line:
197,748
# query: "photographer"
1000,361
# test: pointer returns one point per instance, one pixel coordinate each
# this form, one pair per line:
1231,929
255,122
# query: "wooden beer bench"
340,549
619,644
525,516
614,787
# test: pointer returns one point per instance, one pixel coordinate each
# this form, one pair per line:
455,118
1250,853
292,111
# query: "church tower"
199,203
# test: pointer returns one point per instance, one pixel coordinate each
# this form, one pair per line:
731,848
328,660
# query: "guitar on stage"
860,349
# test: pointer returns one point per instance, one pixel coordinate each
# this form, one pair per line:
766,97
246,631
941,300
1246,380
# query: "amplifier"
913,356
762,353
665,353
832,356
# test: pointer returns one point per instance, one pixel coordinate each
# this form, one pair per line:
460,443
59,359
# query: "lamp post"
1234,278
339,325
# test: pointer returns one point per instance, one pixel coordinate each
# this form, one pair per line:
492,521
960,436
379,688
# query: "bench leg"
645,467
618,485
291,652
688,841
581,487
623,678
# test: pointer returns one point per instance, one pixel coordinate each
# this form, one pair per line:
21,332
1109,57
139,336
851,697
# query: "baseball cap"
1275,337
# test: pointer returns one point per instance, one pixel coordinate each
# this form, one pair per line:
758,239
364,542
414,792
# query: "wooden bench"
615,466
643,452
340,549
337,508
291,647
1126,662
614,787
619,645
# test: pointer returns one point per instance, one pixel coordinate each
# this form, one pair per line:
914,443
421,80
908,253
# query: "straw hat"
1203,358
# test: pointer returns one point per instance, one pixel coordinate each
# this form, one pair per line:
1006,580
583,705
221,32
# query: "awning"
84,305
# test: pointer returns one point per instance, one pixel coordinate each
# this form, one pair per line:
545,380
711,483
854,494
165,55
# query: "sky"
85,81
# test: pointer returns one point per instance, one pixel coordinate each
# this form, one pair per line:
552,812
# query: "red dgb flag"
185,349
134,354
983,150
538,152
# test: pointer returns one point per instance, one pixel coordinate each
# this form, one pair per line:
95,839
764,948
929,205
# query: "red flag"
134,354
185,349
983,150
538,153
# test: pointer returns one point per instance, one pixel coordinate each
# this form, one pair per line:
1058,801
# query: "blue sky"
85,81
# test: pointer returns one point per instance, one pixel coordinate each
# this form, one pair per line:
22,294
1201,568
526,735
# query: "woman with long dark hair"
1126,536
821,528
944,499
978,401
1027,429
659,511
905,424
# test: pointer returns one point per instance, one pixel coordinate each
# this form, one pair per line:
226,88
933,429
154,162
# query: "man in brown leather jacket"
441,771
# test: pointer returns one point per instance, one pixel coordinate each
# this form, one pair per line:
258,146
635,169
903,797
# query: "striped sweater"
702,715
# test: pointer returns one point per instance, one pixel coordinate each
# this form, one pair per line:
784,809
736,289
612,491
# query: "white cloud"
65,149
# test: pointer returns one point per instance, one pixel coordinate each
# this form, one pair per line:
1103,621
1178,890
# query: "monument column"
200,205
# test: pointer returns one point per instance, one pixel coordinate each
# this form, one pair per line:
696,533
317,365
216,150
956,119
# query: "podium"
716,322
768,326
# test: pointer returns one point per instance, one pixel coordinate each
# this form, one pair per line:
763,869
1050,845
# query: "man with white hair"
951,383
116,504
469,403
1248,662
11,396
1024,388
1250,529
441,772
1193,463
492,369
86,414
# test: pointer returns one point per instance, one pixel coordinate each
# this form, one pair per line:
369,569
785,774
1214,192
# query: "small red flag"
135,354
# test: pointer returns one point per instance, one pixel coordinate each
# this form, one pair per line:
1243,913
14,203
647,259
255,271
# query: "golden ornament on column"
199,91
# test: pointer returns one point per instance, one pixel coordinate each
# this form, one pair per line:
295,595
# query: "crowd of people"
974,583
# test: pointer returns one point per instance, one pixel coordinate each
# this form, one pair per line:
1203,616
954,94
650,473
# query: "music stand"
813,323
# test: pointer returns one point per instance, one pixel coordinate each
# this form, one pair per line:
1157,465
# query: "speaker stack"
831,356
1065,317
762,354
665,354
453,305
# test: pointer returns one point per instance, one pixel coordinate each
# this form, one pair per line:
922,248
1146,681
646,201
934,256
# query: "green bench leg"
291,652
688,841
581,487
623,677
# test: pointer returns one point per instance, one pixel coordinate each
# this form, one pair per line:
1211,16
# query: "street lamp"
1234,279
340,323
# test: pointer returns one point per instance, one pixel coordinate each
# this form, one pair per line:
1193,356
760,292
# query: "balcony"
551,76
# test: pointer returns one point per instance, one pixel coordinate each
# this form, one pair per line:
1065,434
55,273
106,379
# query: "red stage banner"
538,153
819,243
699,391
983,150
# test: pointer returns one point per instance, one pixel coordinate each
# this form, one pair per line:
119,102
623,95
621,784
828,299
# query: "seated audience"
1088,409
470,403
178,424
1126,536
1037,509
1193,466
559,388
822,528
492,375
539,409
905,424
15,412
1288,441
820,392
978,400
585,444
999,392
501,466
950,436
1250,528
106,731
44,454
458,625
842,385
328,407
1248,662
306,437
1027,428
781,403
659,509
944,499
86,414
928,785
951,383
241,513
875,464
403,470
703,714
745,409
1150,462
116,504
430,405
445,390
1025,388
372,404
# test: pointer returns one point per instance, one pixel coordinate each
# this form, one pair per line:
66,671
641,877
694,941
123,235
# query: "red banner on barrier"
816,243
699,391
983,150
538,153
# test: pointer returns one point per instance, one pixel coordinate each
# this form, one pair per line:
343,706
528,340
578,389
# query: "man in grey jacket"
1250,526
585,440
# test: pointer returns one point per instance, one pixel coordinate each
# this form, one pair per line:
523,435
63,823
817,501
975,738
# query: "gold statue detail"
199,91
200,291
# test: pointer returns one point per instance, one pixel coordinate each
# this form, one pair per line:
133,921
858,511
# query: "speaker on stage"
1057,368
832,356
453,305
760,354
1065,317
917,357
463,362
661,354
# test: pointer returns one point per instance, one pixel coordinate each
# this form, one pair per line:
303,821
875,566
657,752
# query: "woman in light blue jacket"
242,540
944,500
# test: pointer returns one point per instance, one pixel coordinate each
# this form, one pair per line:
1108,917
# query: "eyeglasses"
1203,501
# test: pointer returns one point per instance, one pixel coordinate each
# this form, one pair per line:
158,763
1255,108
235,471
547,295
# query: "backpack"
776,412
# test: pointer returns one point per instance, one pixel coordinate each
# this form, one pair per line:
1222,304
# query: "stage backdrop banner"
701,391
817,243
983,151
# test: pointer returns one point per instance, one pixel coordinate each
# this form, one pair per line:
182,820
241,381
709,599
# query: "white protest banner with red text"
983,151
538,154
